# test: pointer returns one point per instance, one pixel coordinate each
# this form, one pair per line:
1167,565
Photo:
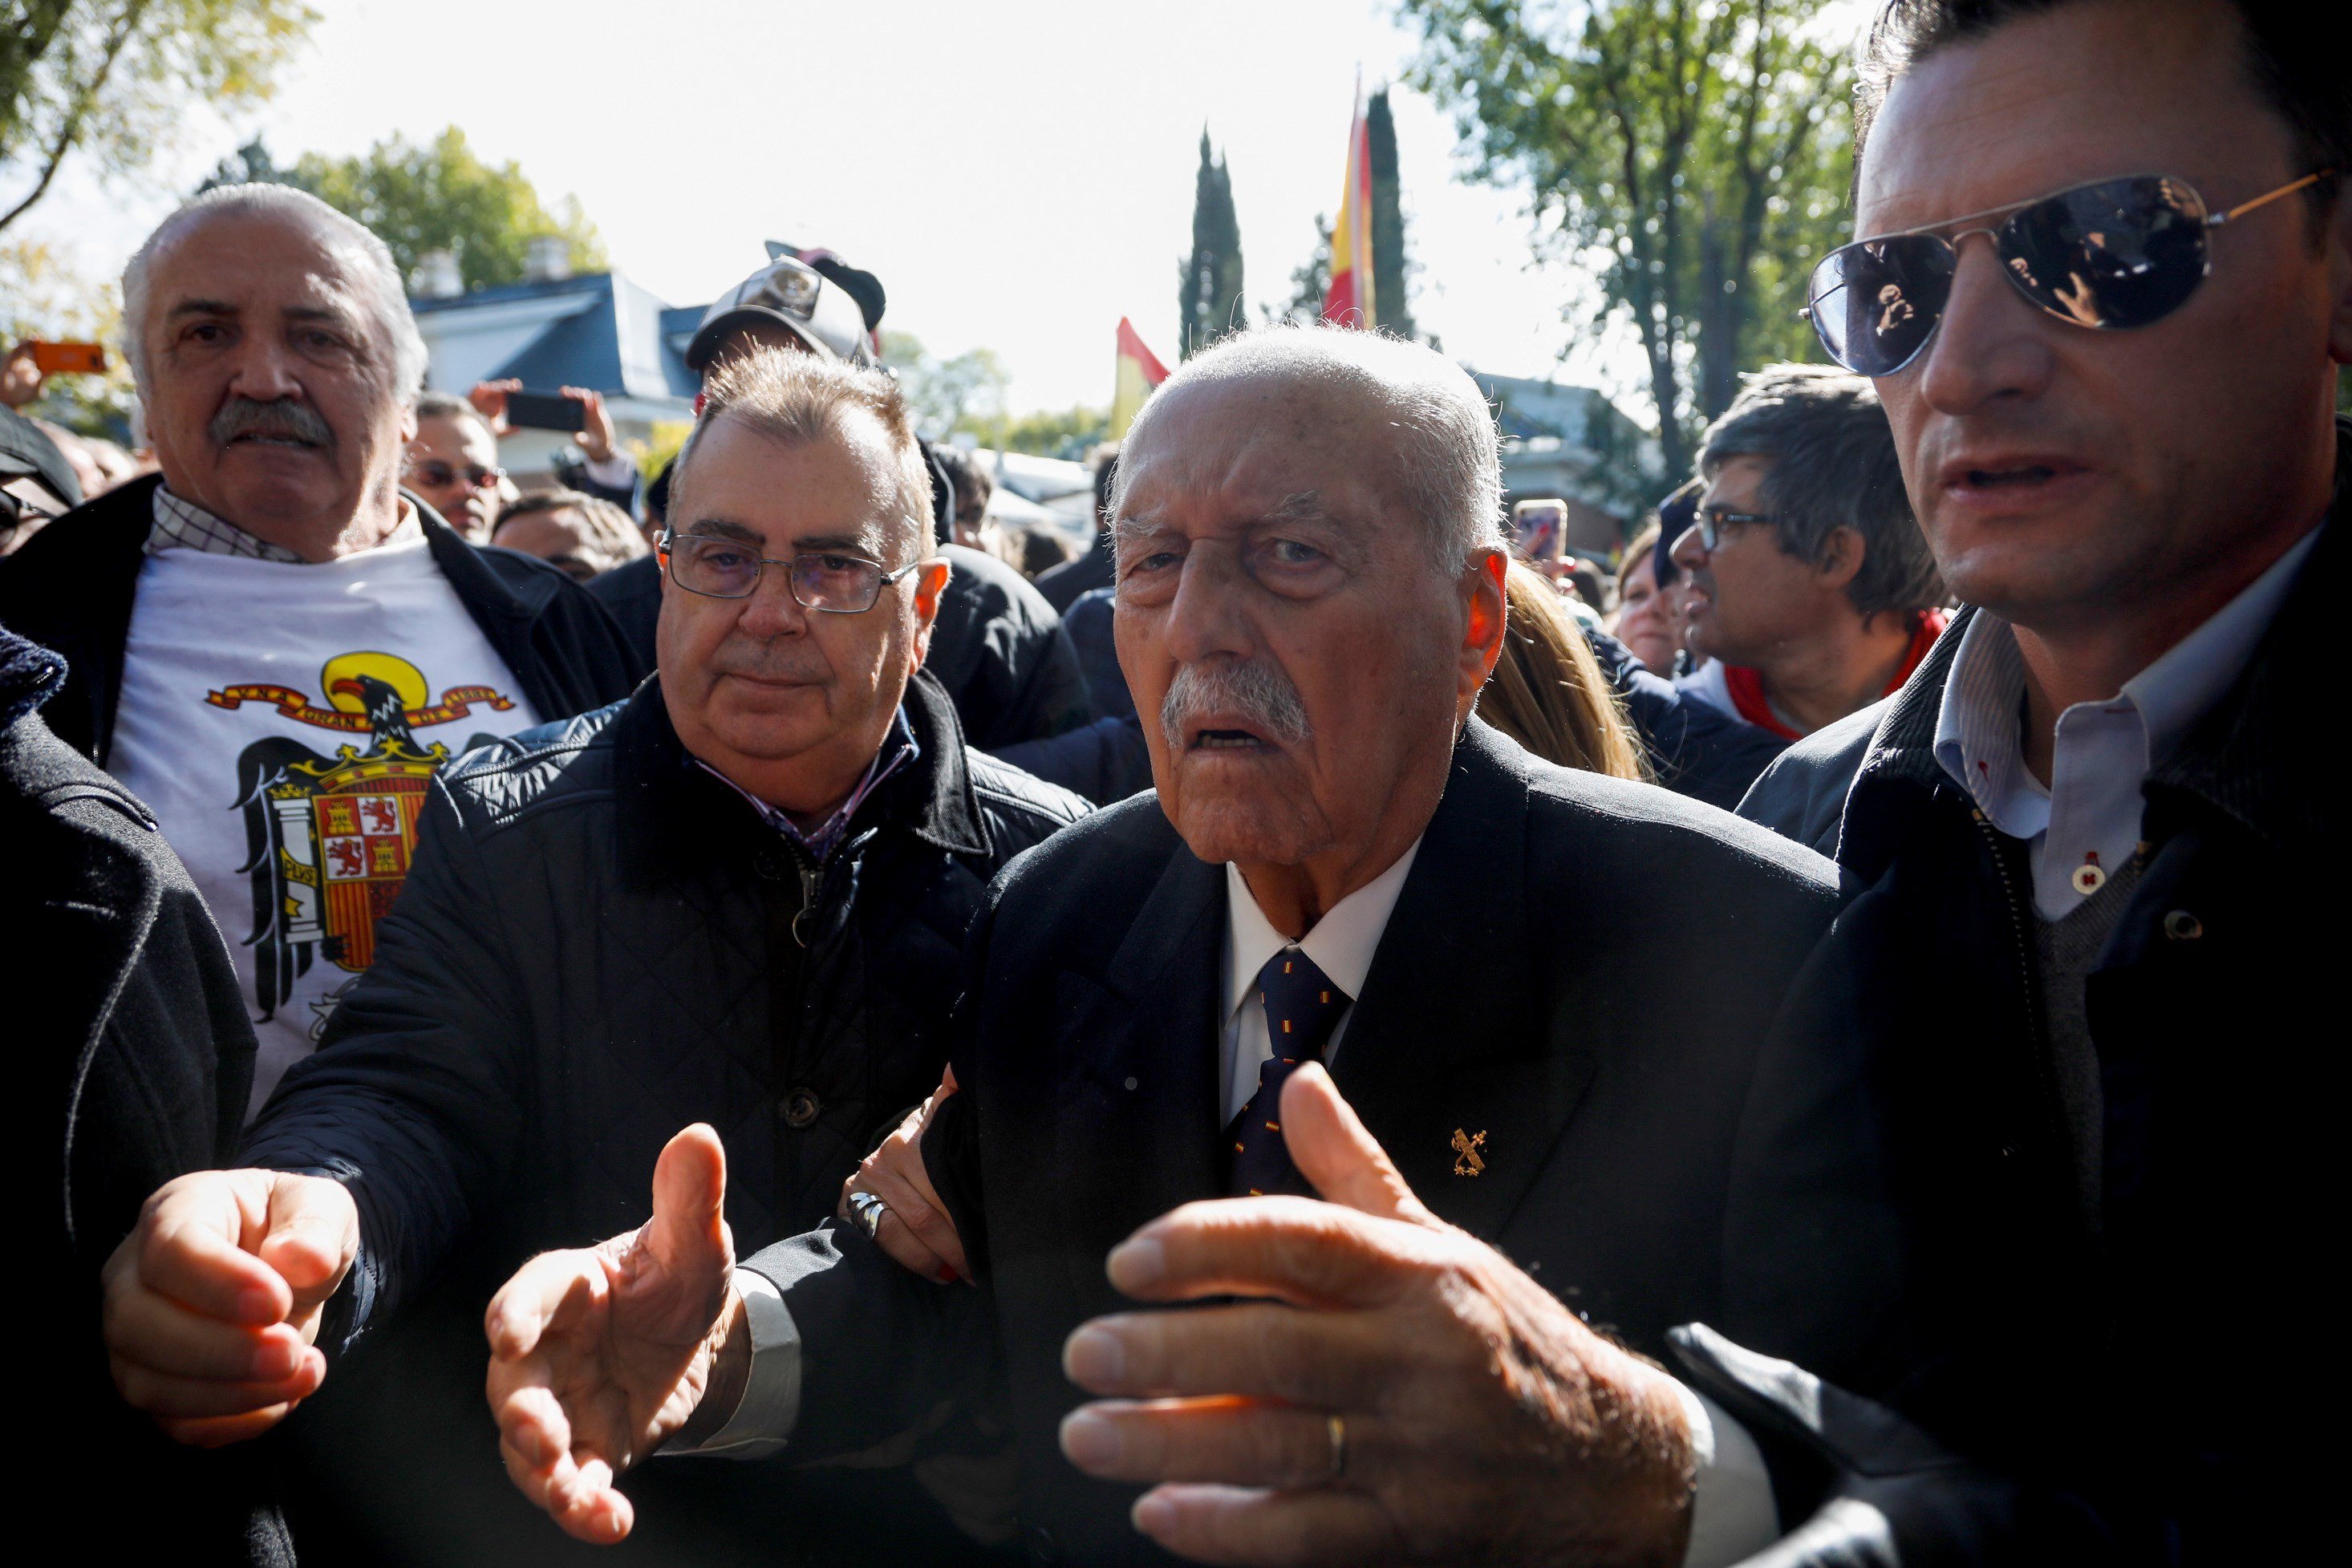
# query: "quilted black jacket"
596,947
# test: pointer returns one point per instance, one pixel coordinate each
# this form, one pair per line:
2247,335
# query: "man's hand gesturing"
913,1225
601,1354
213,1301
1403,1393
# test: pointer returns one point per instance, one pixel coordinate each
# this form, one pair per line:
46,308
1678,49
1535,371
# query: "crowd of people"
547,1031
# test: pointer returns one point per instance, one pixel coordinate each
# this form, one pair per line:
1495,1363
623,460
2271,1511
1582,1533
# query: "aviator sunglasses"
2111,254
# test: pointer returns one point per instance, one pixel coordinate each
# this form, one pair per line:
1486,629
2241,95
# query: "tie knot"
1302,1005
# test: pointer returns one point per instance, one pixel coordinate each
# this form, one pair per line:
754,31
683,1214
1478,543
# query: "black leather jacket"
596,948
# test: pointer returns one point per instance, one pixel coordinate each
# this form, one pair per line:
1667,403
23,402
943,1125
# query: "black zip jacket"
71,588
2125,1356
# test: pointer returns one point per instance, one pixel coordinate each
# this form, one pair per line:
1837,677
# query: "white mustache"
1245,689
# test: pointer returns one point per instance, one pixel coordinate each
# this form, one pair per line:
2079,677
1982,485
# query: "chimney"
436,276
548,259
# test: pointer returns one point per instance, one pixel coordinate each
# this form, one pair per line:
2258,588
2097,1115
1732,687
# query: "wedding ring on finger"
867,1210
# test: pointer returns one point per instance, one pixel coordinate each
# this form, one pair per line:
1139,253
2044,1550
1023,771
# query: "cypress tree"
1209,290
1390,307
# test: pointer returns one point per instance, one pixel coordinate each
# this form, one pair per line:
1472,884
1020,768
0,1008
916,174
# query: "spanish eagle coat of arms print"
329,834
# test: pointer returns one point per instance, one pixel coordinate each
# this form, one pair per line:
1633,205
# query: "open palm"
599,1354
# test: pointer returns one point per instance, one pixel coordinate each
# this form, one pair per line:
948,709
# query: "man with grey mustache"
270,644
1357,1034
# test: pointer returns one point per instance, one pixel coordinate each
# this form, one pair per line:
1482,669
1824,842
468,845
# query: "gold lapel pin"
1466,1146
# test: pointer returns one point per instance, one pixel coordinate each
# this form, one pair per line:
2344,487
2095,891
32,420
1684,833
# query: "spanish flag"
1349,302
1140,370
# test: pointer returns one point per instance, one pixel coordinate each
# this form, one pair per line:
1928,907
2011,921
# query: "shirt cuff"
763,1421
1733,1514
618,471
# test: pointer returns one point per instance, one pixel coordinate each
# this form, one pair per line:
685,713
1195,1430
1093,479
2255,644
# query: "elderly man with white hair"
269,643
1356,947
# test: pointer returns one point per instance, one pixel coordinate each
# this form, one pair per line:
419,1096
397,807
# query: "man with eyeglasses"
1809,592
453,465
2104,289
737,898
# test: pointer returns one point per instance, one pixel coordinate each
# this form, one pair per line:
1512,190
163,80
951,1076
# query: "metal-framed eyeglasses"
834,582
1710,522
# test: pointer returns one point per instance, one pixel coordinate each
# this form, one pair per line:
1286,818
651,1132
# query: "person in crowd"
1648,619
585,535
1308,634
1037,552
2090,824
453,465
133,1068
737,897
1548,692
270,644
974,487
36,483
592,462
999,648
114,463
996,646
1810,591
1063,584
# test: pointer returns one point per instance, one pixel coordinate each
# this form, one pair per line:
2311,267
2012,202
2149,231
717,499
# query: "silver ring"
1337,1426
867,1211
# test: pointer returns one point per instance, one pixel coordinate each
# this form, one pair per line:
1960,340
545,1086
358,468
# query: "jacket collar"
2241,758
29,675
667,806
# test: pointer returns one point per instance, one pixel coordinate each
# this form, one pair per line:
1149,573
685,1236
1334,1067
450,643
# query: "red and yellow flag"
1349,302
1140,370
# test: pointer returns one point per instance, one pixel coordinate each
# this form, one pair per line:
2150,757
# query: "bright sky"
1020,174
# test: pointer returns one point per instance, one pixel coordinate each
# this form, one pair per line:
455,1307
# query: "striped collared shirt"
899,748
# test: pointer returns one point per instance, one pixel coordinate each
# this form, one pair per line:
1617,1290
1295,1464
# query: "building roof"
597,330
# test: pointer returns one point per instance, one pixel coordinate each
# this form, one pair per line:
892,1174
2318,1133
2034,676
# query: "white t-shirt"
284,722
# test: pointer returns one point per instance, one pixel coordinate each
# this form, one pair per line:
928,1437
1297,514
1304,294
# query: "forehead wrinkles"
1256,447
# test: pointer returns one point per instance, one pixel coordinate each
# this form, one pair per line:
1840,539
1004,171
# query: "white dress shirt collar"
2087,822
1341,944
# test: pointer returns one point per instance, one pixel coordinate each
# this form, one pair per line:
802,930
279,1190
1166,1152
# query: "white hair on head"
282,202
1449,454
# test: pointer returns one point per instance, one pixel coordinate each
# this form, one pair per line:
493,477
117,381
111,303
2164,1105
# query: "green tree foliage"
1209,285
1068,435
1694,154
435,196
1310,280
114,79
965,392
1391,272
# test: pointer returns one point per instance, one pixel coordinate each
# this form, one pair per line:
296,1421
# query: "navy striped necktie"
1302,1007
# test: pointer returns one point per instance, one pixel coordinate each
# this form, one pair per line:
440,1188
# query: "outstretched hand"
1401,1390
600,1355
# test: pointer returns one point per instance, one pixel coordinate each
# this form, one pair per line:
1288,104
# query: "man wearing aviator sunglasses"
2093,827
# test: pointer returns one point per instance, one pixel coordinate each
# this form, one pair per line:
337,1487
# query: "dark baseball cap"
795,297
27,452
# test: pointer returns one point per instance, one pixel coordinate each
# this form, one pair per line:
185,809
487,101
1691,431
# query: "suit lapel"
1137,1099
1449,1056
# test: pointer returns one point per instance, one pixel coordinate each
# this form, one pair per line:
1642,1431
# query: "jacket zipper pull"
801,933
